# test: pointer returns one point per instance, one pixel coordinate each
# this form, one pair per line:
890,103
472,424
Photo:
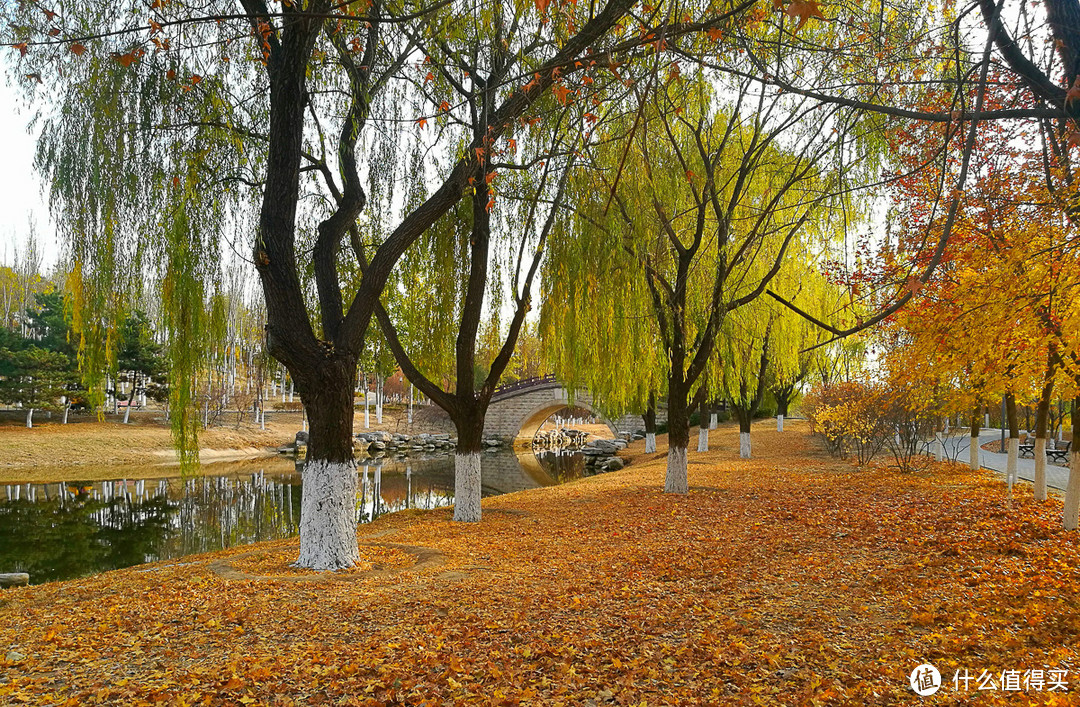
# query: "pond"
59,531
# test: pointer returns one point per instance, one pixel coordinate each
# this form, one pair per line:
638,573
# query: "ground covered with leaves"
789,579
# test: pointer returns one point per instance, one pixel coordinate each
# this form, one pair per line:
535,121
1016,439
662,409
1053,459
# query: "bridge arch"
533,420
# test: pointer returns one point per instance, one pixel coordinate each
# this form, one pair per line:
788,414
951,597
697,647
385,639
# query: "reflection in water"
59,531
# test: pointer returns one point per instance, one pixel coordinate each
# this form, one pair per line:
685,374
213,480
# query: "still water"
59,531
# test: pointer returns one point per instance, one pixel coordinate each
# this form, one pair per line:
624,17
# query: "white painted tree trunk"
703,439
986,420
973,454
1040,468
328,516
712,421
676,481
745,447
262,419
1010,464
1072,491
30,417
292,392
378,400
67,407
779,423
410,402
650,442
127,410
303,419
939,447
467,487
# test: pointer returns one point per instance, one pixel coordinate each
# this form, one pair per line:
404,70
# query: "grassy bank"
91,449
789,579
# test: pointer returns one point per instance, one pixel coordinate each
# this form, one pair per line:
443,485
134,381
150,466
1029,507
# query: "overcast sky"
20,189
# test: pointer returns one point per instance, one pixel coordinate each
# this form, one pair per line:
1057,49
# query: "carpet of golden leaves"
789,579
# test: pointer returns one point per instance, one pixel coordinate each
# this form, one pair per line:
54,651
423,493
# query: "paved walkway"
956,447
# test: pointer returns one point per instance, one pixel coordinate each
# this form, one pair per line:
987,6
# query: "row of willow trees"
677,185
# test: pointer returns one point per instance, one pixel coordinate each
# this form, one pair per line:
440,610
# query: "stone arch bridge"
517,411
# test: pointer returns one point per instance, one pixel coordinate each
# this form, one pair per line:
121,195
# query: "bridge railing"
522,384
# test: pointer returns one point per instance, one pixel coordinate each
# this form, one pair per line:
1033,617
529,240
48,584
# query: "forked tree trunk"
1072,489
675,481
973,451
328,505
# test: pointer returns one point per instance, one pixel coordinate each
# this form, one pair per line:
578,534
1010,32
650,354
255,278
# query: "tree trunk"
703,437
1042,415
745,417
973,451
470,430
328,502
675,481
67,407
1014,441
650,425
1072,490
30,417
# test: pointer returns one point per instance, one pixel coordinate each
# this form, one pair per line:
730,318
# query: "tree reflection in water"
60,531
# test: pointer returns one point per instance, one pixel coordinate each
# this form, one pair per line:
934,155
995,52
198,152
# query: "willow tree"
705,204
171,117
765,346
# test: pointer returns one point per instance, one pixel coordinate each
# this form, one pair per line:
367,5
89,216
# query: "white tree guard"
1072,492
328,516
675,481
1040,469
745,447
467,487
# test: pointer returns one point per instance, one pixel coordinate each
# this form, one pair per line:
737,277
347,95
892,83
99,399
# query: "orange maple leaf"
562,93
541,5
77,49
422,122
1074,90
125,60
804,10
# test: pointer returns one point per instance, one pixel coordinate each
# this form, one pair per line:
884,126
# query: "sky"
21,200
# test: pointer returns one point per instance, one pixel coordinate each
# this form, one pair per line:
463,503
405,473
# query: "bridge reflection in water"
59,531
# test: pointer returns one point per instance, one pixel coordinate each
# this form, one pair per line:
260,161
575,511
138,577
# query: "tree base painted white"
986,420
744,445
30,417
779,423
939,447
127,411
973,454
1010,464
650,442
328,516
676,481
703,439
467,487
712,421
1072,493
1040,469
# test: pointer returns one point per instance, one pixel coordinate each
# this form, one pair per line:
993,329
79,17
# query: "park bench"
1028,450
1061,454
